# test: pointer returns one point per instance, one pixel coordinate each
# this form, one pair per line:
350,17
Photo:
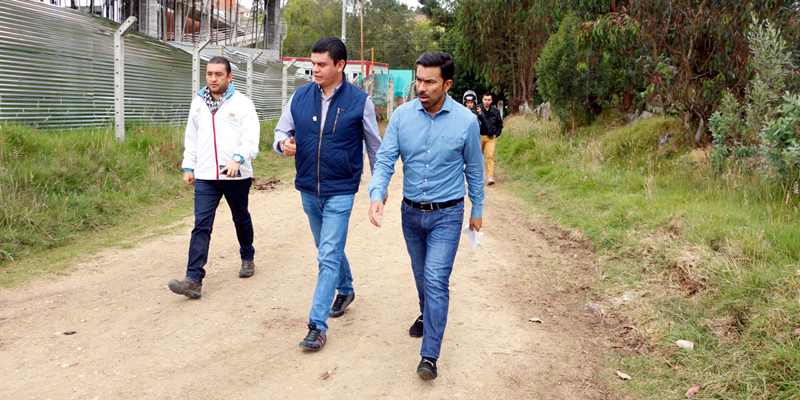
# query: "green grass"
66,194
712,257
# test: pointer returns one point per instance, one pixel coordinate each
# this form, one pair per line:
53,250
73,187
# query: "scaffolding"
63,69
225,22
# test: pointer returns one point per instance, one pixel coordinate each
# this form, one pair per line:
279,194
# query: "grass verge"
707,256
67,194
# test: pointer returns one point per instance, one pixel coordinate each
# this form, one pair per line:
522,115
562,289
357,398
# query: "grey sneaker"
186,287
315,338
248,267
341,302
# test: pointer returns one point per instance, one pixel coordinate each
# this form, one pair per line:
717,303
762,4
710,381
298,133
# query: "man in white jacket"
222,137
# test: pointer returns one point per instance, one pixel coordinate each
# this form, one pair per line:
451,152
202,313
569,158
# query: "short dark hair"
333,46
439,59
221,60
488,94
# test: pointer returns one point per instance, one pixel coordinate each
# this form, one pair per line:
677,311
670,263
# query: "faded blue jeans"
329,217
432,240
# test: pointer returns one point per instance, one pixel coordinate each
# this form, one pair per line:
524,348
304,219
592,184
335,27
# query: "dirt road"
134,338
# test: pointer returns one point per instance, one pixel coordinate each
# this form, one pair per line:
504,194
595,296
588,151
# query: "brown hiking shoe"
186,287
248,267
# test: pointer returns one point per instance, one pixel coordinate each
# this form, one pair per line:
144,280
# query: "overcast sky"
410,3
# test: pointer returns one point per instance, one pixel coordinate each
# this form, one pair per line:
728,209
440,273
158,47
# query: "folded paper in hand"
473,236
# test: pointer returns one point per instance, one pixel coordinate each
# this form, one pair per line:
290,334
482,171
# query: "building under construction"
232,23
61,67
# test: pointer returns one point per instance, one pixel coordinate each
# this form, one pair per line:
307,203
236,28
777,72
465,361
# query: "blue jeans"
207,194
432,240
329,217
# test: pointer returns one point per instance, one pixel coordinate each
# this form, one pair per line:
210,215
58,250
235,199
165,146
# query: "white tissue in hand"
473,236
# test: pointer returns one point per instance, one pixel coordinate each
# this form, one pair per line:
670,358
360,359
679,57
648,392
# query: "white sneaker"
490,181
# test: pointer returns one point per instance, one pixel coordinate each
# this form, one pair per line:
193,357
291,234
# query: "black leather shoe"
416,328
427,369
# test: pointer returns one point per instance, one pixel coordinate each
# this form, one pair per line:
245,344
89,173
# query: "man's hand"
289,147
475,224
188,177
478,109
376,213
231,169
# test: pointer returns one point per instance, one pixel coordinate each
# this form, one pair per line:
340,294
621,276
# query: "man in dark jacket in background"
494,127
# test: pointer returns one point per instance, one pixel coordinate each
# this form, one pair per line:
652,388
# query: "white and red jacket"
211,140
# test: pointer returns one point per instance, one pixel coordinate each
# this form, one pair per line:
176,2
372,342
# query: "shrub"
737,128
575,81
782,140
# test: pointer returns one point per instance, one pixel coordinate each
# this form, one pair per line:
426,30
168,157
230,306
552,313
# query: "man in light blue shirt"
439,142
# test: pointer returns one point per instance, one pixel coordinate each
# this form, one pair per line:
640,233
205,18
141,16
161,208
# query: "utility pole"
362,41
344,21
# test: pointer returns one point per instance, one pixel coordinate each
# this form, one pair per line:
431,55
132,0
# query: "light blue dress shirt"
438,153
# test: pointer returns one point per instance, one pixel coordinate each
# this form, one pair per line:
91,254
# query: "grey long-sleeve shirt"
372,136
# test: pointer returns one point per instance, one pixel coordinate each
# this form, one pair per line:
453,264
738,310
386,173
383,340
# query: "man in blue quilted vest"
323,126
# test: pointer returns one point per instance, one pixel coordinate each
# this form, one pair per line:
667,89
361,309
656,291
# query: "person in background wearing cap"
470,100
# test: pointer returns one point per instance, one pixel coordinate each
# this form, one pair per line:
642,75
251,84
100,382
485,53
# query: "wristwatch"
238,158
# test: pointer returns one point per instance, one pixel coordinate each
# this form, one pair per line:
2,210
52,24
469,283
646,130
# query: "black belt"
432,206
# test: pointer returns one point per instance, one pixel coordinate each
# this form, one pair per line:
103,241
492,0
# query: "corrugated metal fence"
57,71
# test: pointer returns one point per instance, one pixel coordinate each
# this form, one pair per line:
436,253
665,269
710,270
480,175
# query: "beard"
432,101
220,90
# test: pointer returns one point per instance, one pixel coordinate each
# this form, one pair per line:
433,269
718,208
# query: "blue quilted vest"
329,159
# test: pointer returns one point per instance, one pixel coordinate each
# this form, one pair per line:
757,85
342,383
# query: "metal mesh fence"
378,87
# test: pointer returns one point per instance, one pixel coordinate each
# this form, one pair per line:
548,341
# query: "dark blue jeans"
207,194
432,240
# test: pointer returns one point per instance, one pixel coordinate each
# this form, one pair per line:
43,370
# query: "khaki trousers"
487,147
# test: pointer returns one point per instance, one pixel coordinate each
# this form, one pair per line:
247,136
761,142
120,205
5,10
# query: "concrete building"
352,70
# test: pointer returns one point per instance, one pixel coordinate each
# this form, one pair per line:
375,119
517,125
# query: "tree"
501,40
696,49
309,20
563,83
612,38
388,28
